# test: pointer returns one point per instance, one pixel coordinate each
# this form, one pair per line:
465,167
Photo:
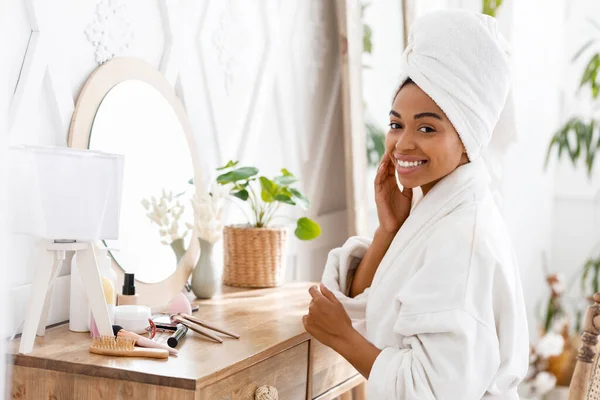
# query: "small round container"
133,318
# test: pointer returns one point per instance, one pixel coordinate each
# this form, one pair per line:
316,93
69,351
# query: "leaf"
490,7
596,277
242,194
549,315
586,271
591,21
363,7
269,189
577,139
367,39
307,229
284,198
582,49
230,164
285,180
237,175
375,144
300,198
191,181
590,74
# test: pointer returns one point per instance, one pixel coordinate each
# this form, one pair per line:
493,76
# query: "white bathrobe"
446,305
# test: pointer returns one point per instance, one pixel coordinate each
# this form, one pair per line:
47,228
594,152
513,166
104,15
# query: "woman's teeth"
409,164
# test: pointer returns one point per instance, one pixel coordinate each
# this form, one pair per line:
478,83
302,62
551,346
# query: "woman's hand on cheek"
393,205
327,321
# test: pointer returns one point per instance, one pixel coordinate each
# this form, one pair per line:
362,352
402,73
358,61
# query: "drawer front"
329,369
34,384
286,371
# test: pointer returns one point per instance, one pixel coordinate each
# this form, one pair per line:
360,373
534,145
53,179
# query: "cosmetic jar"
133,318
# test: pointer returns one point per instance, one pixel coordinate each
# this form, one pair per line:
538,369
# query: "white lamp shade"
60,193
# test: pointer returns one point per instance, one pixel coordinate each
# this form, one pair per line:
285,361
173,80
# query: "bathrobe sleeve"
446,355
443,348
337,277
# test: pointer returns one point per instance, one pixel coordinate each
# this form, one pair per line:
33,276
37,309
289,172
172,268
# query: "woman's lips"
408,165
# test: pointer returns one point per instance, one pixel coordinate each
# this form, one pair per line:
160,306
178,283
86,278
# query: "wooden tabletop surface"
268,321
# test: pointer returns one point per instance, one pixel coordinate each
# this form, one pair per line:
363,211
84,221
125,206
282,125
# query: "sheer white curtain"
4,307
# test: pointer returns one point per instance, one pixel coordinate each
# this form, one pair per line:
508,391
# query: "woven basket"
254,257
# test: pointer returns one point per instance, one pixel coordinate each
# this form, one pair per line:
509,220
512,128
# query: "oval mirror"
128,107
135,120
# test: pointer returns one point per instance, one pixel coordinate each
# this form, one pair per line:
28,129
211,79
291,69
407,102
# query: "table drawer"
329,369
286,371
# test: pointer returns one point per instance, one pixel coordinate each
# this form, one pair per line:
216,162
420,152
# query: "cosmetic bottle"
105,266
79,309
109,298
128,296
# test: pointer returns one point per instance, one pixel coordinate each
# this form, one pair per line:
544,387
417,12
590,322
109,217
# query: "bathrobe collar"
471,179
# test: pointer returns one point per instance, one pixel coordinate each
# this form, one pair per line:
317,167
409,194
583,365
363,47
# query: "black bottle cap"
129,285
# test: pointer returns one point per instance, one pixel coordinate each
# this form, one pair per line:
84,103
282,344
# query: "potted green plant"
255,253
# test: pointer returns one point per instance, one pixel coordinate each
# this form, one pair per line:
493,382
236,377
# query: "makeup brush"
141,341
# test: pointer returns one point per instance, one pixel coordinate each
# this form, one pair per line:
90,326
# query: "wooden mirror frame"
350,34
99,83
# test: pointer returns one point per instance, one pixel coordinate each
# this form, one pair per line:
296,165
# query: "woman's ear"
464,158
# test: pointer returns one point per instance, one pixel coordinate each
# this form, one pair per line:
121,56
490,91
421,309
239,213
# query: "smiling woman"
432,306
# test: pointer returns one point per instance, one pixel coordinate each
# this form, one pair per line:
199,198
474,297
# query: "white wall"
3,216
4,268
260,81
576,216
380,80
537,37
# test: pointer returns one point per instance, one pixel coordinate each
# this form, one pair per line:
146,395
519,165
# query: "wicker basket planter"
254,257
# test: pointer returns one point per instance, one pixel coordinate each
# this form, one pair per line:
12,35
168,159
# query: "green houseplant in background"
579,139
490,7
255,253
375,135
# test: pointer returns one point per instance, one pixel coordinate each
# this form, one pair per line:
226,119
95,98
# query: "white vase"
179,249
206,277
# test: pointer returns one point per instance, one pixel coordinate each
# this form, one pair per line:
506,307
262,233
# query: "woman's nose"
406,141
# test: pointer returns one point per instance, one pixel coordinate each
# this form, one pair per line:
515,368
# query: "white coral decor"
166,212
208,210
550,345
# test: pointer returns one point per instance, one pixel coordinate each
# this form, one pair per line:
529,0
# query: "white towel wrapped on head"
464,66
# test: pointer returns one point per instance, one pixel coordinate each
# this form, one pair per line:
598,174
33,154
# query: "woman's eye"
395,125
426,129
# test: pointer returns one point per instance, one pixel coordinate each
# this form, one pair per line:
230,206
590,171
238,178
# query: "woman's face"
422,142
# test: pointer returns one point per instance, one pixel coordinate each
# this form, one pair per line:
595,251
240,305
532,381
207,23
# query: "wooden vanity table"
274,349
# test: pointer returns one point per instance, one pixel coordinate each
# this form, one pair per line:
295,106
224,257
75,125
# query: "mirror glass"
381,66
136,120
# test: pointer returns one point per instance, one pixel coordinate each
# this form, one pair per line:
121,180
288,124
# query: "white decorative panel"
233,44
39,74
